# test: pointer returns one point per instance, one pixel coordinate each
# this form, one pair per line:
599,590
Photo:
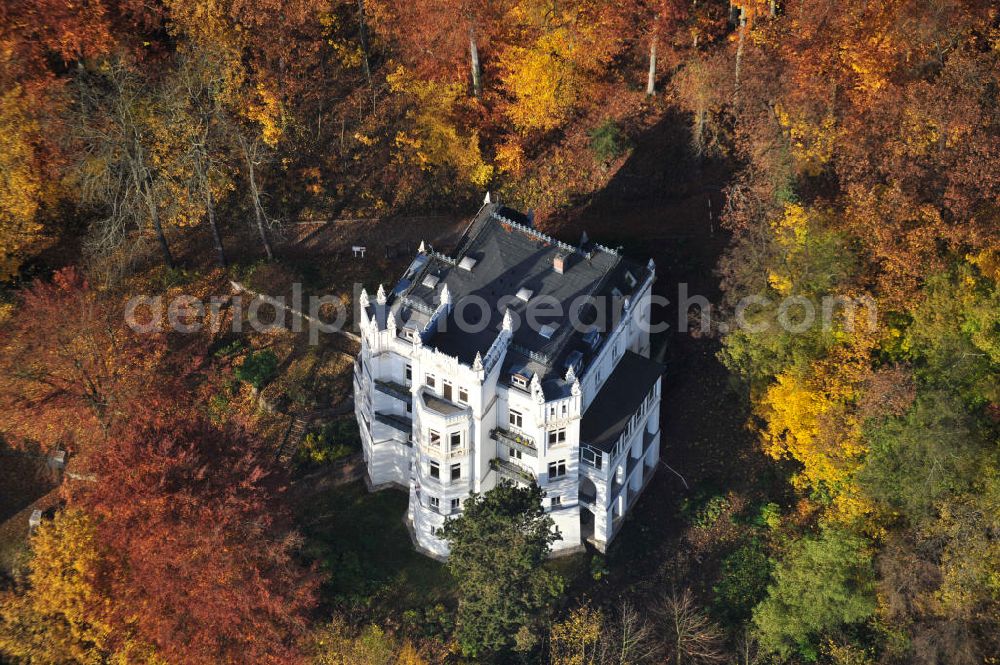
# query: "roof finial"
486,199
570,375
575,390
423,247
477,364
380,296
391,322
445,295
508,321
363,298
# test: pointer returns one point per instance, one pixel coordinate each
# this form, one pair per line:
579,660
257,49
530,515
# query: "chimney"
559,263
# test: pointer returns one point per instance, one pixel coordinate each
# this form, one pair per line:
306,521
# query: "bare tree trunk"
739,47
363,37
216,236
474,57
651,78
154,215
250,153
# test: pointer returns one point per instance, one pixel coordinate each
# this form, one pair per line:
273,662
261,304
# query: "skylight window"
430,281
468,263
547,331
524,294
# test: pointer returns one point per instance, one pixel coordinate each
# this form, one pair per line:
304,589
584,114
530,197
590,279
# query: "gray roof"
511,255
620,397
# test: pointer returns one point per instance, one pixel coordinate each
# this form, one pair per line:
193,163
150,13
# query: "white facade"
442,428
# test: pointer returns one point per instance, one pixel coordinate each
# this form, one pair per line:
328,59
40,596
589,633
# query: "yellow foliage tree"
548,70
811,416
434,139
56,617
20,187
574,640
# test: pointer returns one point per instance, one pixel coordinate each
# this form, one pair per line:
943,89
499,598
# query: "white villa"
517,357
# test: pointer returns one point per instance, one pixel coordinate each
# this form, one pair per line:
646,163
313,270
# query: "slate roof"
620,397
511,255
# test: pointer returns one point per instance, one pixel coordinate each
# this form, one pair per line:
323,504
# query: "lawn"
362,544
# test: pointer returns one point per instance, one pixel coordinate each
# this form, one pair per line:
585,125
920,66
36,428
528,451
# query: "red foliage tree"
200,541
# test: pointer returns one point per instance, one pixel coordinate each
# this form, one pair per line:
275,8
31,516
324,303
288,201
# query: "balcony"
402,427
393,389
511,471
515,440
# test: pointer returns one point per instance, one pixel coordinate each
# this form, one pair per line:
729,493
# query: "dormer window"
519,381
574,360
630,278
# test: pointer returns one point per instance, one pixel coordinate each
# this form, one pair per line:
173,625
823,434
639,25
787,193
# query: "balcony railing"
512,471
515,440
393,389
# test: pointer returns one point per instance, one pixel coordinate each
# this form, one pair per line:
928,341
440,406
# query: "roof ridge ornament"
508,321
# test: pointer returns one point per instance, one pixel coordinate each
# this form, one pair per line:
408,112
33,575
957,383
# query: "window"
446,389
456,440
463,395
435,470
564,409
557,469
434,438
430,381
556,501
456,471
557,436
519,381
456,504
552,411
591,457
434,501
409,407
514,453
516,419
409,374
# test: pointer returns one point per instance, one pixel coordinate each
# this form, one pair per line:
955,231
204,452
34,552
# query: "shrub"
607,141
742,584
258,368
703,511
333,441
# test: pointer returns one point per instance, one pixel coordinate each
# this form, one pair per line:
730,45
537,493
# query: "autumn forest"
828,494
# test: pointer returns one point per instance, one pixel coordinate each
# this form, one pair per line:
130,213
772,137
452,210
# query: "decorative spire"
423,247
380,296
536,388
651,265
486,199
445,295
391,322
508,321
364,299
570,375
477,364
575,390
